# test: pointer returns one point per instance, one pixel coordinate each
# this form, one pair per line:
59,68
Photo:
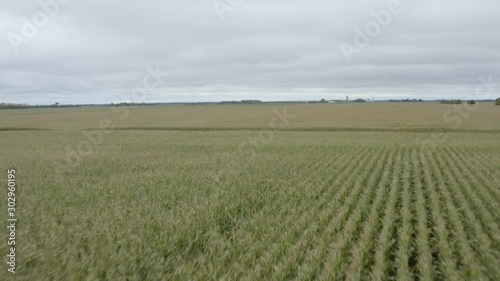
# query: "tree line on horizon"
4,105
407,100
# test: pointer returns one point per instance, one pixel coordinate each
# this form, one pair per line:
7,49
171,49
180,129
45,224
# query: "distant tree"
471,102
251,101
12,106
359,100
497,101
322,101
406,100
451,101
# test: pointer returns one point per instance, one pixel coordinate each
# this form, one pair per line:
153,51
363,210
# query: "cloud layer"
98,51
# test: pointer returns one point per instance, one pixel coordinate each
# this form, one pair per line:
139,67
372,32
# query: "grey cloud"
94,51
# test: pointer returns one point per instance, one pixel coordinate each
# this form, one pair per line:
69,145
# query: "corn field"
188,205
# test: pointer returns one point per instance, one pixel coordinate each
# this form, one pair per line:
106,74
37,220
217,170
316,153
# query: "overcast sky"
105,51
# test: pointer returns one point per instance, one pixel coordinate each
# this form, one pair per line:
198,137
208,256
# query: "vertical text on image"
11,220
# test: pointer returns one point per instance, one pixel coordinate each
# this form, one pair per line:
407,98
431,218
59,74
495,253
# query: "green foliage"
451,101
251,101
12,106
497,101
359,100
406,100
319,205
471,102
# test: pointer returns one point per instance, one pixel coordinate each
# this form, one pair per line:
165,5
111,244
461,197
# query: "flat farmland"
484,116
256,203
